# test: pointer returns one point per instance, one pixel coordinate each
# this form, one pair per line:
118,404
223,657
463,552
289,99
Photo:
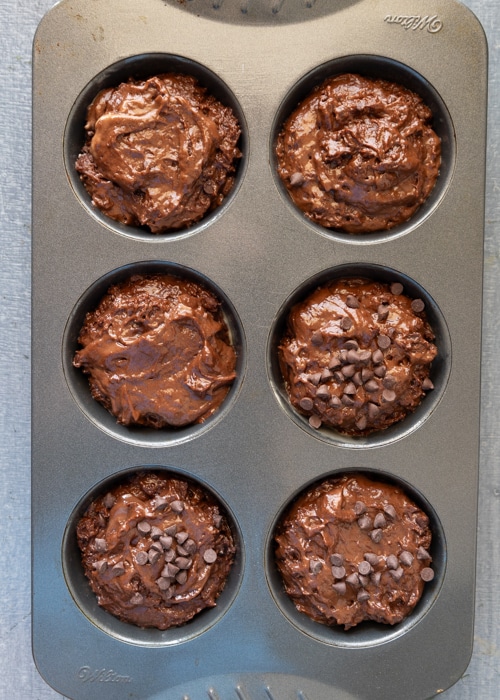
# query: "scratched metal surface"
18,675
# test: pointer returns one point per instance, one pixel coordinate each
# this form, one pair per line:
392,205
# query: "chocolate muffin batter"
159,153
356,355
156,550
351,549
157,352
359,155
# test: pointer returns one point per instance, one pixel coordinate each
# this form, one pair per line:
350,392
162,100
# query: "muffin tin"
259,255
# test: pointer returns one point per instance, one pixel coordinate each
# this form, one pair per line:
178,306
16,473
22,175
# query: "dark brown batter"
359,155
356,356
157,352
156,550
351,549
159,153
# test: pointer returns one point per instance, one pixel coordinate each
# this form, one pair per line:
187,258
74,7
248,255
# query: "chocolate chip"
336,559
296,179
390,511
392,561
375,578
315,566
427,384
338,571
389,395
364,356
334,362
315,422
406,558
377,357
352,302
326,375
363,596
217,520
159,503
365,522
380,371
371,558
181,551
170,570
347,400
376,535
371,386
366,374
137,599
364,580
389,382
177,506
170,555
181,577
364,568
417,305
350,388
163,583
373,411
348,371
352,356
158,546
118,569
144,527
379,521
100,566
335,402
396,288
423,554
166,541
323,393
353,580
346,323
340,587
338,376
427,574
361,423
190,546
383,341
153,556
351,344
359,508
315,378
181,537
306,403
155,533
184,562
170,530
100,544
397,574
382,312
317,338
141,557
209,556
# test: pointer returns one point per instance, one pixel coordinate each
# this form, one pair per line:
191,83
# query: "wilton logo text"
430,23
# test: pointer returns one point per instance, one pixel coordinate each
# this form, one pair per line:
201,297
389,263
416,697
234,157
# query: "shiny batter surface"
156,550
157,353
356,356
159,153
358,154
352,549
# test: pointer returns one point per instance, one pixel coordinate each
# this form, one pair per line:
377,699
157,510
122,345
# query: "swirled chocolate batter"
352,549
359,155
159,153
157,353
156,550
356,355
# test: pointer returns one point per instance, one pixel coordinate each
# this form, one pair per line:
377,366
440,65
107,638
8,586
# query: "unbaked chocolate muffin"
351,549
356,355
359,155
159,153
157,352
156,550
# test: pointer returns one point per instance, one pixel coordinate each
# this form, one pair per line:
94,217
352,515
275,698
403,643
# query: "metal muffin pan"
259,255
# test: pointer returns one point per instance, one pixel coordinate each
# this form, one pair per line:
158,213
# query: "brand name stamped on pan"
430,23
101,675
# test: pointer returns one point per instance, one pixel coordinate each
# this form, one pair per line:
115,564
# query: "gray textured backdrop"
18,676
